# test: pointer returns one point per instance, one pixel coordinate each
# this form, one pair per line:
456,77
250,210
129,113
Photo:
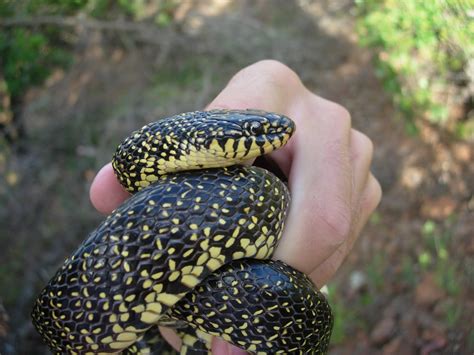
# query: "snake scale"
189,249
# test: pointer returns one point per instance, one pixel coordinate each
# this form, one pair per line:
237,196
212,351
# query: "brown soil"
405,288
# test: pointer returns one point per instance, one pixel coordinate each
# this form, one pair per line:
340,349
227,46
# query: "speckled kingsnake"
154,259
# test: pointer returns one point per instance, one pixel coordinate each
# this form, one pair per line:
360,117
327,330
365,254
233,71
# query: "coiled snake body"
189,249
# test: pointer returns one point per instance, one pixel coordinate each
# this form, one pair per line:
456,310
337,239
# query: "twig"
116,25
144,32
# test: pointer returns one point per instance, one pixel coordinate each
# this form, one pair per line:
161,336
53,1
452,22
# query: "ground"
406,287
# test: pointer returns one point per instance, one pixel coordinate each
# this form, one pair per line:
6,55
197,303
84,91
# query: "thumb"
220,347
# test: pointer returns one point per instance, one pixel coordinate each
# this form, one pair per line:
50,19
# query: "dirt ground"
406,288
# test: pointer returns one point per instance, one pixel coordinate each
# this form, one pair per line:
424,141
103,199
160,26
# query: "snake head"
198,140
239,135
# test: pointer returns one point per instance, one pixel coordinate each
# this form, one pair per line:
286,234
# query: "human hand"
327,164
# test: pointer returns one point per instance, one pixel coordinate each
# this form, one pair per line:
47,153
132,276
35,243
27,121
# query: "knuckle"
337,156
365,143
369,145
267,84
269,71
378,191
333,112
342,114
278,70
374,195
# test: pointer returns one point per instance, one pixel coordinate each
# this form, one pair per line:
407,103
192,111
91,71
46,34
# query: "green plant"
28,54
27,59
409,272
375,271
31,49
436,256
424,49
343,316
452,312
375,219
347,317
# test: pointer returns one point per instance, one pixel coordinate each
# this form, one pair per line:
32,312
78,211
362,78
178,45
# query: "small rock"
383,331
428,292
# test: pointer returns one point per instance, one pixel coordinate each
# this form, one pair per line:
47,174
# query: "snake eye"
255,128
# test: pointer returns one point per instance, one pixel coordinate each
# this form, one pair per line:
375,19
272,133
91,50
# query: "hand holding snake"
326,162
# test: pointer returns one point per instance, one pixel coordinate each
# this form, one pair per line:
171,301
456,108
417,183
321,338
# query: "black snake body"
189,249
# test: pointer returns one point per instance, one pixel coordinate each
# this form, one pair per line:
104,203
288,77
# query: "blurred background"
77,76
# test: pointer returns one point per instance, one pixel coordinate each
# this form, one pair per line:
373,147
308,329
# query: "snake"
190,249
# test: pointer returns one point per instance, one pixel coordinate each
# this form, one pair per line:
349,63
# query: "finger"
106,193
370,198
361,157
220,347
171,337
362,150
321,185
369,201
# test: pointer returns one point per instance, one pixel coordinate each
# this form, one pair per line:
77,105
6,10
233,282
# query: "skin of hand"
327,164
